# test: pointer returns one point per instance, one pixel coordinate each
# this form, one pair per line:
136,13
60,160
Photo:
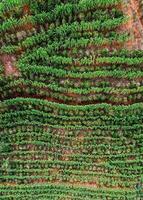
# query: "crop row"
70,110
64,94
75,191
55,87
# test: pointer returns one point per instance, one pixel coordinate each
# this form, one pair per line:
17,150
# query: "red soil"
131,8
8,62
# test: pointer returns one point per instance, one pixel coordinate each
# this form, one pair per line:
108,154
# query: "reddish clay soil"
132,9
8,62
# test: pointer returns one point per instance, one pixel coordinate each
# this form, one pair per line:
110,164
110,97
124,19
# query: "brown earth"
132,9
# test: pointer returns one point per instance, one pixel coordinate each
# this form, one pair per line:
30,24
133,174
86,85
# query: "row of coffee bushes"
57,192
71,95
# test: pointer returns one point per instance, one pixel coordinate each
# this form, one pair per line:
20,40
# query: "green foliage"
71,121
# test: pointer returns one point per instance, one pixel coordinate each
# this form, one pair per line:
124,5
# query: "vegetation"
71,109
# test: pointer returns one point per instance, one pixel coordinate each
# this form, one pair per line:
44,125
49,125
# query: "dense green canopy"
71,102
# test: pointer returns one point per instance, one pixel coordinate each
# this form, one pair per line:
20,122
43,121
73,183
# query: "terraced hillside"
71,103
